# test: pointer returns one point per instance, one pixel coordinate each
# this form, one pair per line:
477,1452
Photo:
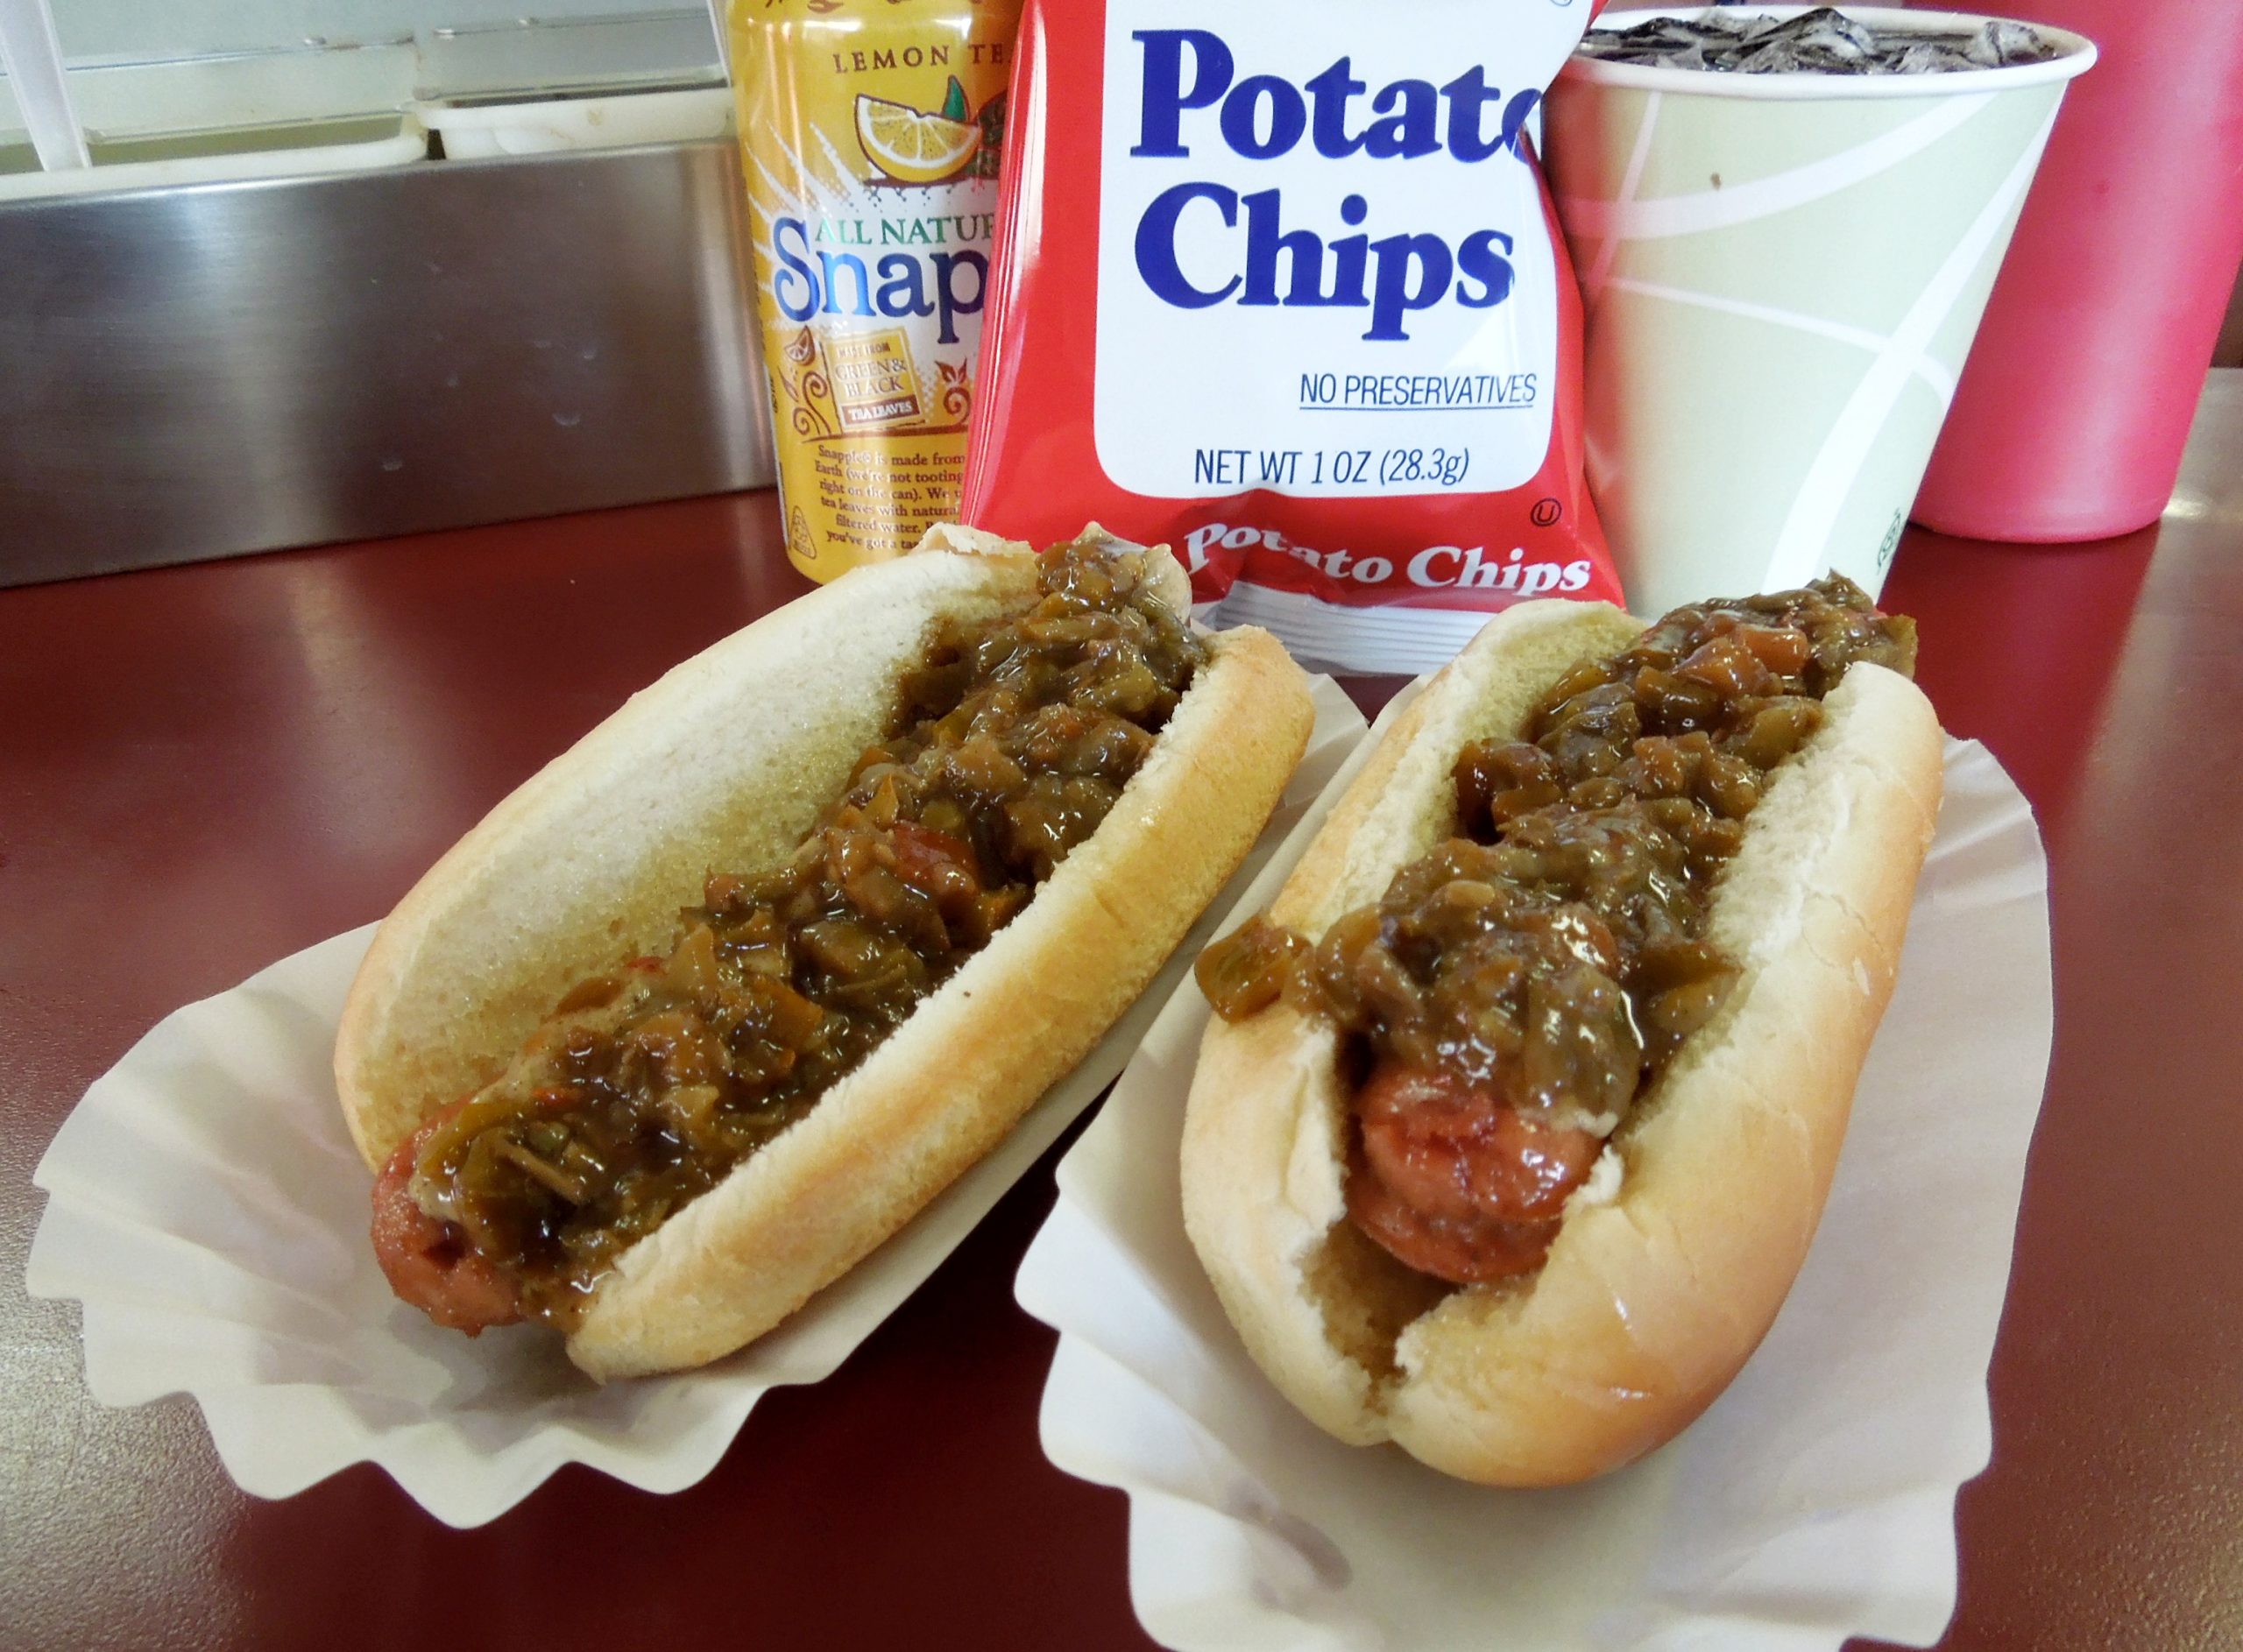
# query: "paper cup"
1781,275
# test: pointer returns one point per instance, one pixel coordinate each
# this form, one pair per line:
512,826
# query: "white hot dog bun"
1674,1257
725,763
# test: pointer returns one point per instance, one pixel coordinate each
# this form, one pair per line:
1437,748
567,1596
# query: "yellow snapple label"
871,133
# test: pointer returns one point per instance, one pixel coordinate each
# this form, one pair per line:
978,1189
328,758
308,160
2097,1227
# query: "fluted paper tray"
1814,1501
205,1204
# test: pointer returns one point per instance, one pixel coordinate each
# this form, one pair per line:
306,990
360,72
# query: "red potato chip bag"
1282,286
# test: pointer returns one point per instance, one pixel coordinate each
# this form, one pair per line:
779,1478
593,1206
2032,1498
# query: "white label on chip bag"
1324,269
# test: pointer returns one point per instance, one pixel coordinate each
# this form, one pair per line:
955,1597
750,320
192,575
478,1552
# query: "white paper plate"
205,1204
1814,1501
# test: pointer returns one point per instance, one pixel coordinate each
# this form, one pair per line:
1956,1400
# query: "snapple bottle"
870,134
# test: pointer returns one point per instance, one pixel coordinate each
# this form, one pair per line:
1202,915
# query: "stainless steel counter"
218,369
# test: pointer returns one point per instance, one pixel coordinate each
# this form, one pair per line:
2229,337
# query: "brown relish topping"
1013,739
1517,988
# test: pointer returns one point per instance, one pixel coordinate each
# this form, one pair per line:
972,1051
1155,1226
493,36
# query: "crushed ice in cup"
1999,43
1824,41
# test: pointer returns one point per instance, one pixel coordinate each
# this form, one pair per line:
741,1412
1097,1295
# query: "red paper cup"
2075,402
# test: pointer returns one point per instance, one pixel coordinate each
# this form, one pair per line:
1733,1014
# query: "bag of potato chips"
1281,286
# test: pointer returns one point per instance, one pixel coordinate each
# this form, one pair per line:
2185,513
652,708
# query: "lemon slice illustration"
912,147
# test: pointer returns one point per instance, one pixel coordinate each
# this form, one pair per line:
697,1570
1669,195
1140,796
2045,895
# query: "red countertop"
204,768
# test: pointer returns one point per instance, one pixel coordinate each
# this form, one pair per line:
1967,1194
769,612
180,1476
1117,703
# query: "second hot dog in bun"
1524,1097
716,1001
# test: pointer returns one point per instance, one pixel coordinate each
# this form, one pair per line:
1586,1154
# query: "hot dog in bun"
716,1001
1523,1100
